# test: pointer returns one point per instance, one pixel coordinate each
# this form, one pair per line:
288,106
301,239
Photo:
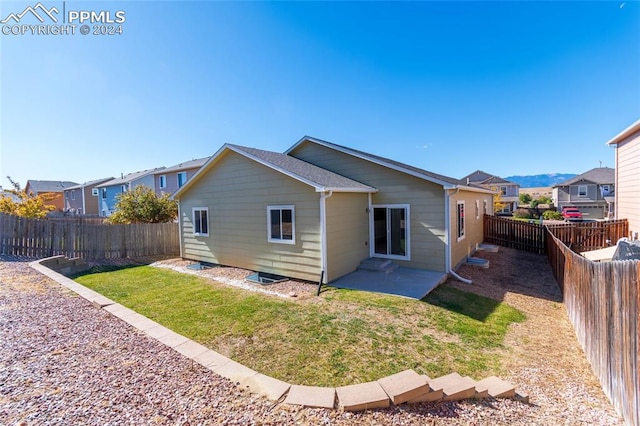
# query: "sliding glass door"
391,231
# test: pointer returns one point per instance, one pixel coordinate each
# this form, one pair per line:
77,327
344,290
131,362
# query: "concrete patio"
413,283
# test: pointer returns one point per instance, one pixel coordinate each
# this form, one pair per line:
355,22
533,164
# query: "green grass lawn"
342,337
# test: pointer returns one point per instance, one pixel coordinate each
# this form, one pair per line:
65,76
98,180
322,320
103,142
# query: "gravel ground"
62,361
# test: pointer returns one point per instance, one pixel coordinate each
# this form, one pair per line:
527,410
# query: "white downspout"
84,197
180,230
323,233
447,231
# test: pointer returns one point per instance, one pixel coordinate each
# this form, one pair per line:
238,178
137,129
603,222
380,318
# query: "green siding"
237,191
426,200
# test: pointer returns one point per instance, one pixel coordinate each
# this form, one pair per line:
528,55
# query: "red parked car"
571,213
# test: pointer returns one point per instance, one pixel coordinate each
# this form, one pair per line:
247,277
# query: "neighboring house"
167,181
509,191
9,194
83,199
109,191
588,192
320,209
55,188
627,176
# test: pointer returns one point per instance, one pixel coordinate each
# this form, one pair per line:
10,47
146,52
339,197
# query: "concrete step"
455,387
404,386
363,396
435,392
311,396
498,388
378,265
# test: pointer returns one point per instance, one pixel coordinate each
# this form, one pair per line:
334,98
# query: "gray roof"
318,177
484,178
187,165
599,175
38,186
129,177
90,183
416,171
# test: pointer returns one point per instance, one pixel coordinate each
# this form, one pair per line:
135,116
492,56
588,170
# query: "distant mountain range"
535,181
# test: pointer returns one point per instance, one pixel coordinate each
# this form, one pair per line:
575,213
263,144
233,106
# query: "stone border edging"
404,387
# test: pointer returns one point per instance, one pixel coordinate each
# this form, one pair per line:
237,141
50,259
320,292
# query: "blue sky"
512,88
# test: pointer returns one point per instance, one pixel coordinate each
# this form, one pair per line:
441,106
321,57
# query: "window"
486,207
124,188
281,224
503,190
73,194
104,193
460,220
582,190
95,192
477,209
182,179
201,221
163,181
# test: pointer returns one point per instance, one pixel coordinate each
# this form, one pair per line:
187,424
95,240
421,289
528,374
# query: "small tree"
545,200
28,205
524,198
142,205
498,204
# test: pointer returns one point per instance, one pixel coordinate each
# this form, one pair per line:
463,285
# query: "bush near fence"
602,301
72,238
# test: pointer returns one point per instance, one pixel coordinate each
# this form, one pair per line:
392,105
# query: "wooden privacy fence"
514,233
602,302
43,238
579,236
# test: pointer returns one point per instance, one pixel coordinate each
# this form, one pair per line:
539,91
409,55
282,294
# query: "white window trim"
178,179
464,224
193,218
73,195
293,224
586,190
162,181
477,209
95,192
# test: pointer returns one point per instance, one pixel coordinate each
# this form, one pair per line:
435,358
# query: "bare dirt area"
63,361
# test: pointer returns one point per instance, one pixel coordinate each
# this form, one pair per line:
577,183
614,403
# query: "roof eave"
635,127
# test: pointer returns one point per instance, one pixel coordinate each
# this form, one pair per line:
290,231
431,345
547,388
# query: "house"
509,191
168,180
587,191
83,199
627,176
319,209
109,190
52,188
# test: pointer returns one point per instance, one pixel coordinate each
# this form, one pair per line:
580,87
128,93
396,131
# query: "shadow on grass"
99,269
462,302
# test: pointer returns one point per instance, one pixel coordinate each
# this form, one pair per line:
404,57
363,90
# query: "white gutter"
447,231
323,233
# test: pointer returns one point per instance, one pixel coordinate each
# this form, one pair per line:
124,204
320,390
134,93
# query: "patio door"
390,231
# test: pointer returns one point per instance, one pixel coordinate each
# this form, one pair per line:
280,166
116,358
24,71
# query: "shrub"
552,215
522,214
